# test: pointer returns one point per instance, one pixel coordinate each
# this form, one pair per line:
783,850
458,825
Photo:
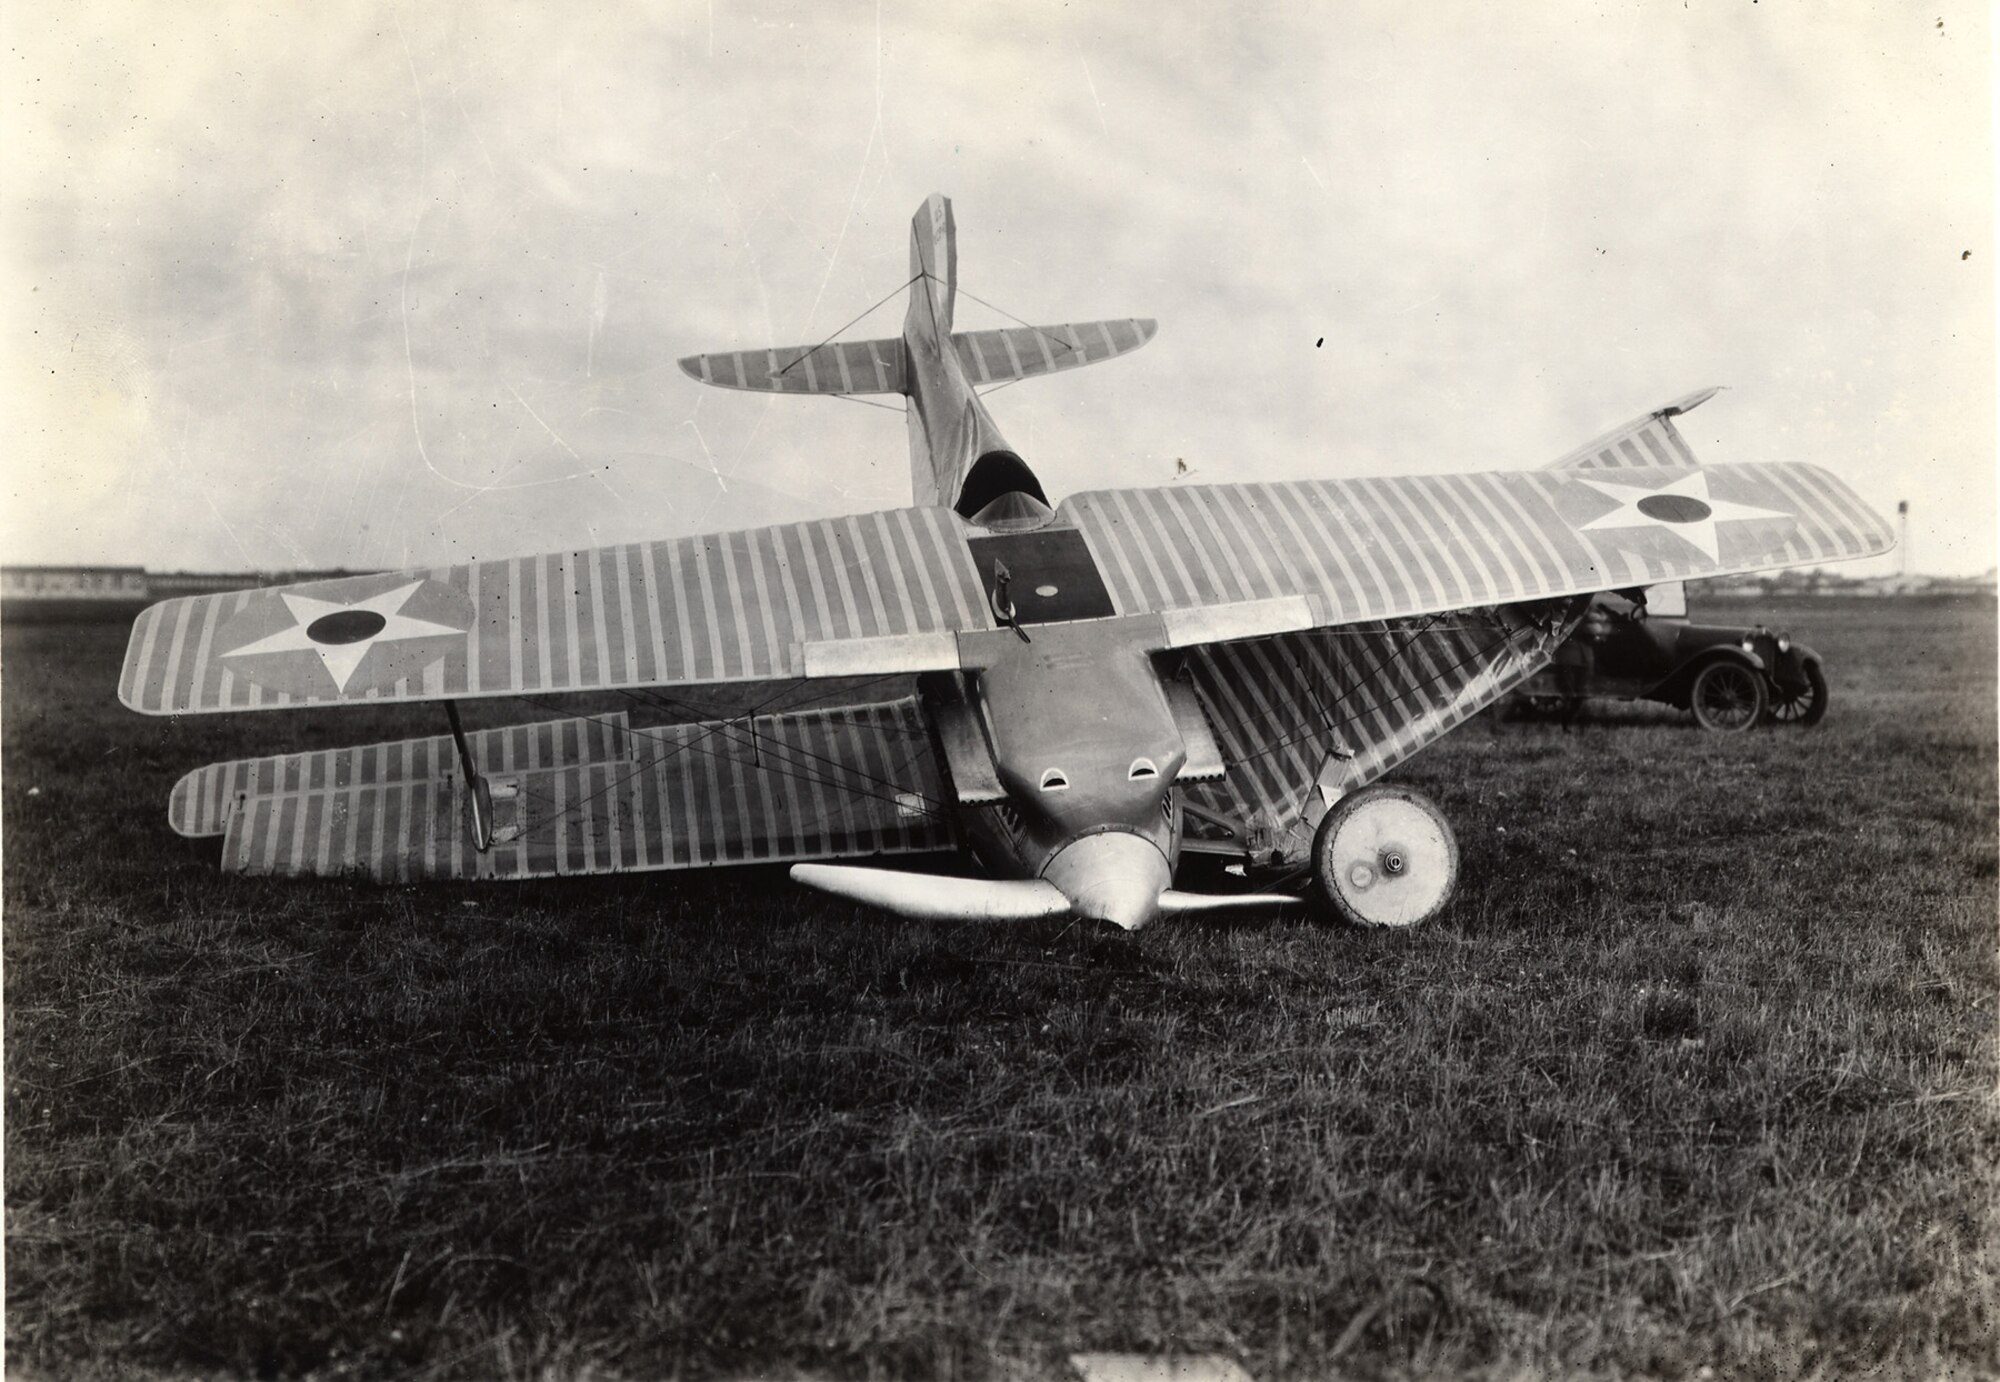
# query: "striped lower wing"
847,782
1341,707
202,801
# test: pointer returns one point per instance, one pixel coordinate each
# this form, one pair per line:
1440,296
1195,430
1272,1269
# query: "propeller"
1180,904
931,897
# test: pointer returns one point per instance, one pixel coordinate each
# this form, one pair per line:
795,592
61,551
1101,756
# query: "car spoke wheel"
1727,697
1807,705
1385,856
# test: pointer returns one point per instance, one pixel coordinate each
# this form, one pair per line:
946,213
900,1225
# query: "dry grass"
1697,1072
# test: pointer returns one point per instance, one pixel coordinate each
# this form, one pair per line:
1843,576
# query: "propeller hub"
1112,876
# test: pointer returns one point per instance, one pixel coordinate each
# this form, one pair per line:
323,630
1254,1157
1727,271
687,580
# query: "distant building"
1820,581
52,593
73,583
168,585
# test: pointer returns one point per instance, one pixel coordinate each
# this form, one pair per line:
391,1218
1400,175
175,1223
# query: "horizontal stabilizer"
1648,441
929,897
1022,352
835,367
988,357
201,801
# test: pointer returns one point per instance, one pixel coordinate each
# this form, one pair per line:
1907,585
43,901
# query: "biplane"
1080,692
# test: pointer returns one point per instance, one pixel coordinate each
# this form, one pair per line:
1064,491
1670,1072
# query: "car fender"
1788,671
1675,686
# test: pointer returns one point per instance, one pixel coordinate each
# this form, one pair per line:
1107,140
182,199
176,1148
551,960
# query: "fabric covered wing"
1220,562
1306,717
848,782
1652,440
876,593
203,800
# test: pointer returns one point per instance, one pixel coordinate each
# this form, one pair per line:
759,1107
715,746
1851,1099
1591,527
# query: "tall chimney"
1903,534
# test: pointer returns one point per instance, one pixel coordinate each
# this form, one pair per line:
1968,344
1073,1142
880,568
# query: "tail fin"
933,265
957,455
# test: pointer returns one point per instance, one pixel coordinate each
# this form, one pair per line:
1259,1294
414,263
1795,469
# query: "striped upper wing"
1221,562
878,593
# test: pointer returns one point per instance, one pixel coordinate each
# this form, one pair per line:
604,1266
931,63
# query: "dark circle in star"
345,626
1674,508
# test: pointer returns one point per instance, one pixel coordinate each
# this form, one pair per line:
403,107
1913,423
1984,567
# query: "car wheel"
1385,856
1807,705
1727,697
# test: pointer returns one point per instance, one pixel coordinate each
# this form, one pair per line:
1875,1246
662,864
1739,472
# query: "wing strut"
482,795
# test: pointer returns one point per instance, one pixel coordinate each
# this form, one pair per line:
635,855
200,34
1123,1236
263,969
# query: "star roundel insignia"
333,637
1684,508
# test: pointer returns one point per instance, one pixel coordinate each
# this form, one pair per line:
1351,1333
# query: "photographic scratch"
493,486
708,455
568,450
600,309
1102,127
860,176
472,129
410,252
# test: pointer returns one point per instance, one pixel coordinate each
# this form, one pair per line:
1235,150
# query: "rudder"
934,264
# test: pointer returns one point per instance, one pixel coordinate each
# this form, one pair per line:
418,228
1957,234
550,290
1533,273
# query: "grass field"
1697,1072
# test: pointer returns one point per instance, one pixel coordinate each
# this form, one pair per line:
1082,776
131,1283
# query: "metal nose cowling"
1112,876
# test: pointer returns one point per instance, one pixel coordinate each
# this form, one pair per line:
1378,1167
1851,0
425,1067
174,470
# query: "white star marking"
1693,490
340,659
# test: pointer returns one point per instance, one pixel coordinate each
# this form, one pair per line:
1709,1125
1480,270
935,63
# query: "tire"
1727,697
1385,857
1806,708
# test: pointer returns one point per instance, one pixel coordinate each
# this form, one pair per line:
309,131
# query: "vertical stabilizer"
950,428
934,263
958,458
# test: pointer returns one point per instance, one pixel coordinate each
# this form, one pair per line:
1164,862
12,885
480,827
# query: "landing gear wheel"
1385,856
1727,697
1807,706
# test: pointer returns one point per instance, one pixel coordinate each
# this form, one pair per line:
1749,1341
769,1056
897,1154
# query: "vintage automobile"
1639,645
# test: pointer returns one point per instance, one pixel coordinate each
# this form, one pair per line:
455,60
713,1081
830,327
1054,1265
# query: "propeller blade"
929,897
1179,904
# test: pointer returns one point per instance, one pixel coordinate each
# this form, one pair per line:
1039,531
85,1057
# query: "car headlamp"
1784,643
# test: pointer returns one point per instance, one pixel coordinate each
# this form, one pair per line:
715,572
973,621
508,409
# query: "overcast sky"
375,285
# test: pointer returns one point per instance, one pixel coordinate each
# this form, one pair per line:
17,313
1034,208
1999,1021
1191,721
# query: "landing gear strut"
1385,856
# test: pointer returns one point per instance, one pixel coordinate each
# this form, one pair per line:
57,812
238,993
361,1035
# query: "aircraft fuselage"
1086,749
